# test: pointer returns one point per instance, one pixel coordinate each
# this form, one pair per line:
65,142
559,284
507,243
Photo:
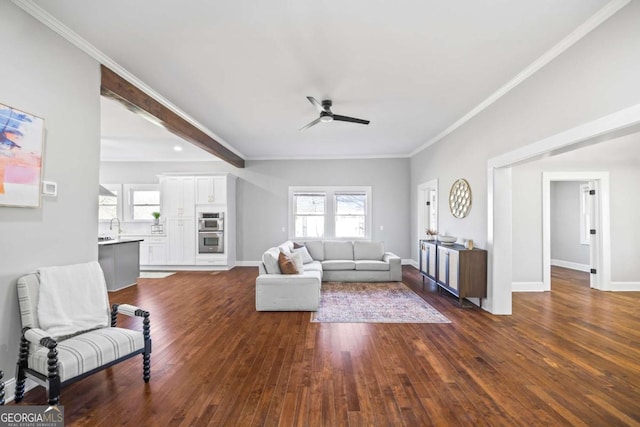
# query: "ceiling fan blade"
350,119
315,122
316,104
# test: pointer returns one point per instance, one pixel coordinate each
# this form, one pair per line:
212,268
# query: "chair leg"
146,356
54,390
52,367
146,366
20,373
1,389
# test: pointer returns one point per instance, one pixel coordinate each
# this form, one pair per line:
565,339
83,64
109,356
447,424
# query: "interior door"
595,233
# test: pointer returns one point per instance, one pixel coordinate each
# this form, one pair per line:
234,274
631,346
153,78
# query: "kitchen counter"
118,241
120,262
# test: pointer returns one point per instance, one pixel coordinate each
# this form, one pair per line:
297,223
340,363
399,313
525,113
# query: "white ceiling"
126,136
243,69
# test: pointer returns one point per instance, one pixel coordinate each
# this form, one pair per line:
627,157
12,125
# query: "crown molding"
589,25
54,24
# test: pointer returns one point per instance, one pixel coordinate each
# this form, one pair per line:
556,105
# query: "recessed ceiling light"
177,148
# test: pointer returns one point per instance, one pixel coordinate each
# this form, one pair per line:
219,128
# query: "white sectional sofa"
326,260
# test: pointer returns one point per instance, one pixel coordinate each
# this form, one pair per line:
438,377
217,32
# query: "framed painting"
21,153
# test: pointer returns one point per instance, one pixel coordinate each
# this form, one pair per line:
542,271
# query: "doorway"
499,193
598,219
427,208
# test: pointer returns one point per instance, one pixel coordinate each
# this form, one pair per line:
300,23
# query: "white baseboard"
527,287
247,263
625,286
10,388
571,265
409,262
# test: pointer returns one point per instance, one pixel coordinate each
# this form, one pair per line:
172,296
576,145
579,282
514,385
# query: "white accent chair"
55,362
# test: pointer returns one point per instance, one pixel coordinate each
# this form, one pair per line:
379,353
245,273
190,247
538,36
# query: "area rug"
373,303
156,274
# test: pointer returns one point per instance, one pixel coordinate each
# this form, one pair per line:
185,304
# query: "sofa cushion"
270,260
88,351
286,264
316,249
335,249
304,253
372,265
313,266
363,250
340,264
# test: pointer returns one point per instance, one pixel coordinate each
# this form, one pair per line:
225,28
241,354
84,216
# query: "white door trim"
433,184
603,227
499,242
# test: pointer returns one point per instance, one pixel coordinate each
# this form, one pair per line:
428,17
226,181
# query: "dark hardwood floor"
566,357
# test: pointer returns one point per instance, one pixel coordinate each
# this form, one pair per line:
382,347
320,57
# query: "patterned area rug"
373,303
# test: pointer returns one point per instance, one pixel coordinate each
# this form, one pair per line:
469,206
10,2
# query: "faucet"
111,224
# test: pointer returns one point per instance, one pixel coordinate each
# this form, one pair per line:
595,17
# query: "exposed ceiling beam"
134,99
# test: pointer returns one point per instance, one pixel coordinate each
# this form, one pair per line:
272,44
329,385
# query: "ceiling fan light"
326,119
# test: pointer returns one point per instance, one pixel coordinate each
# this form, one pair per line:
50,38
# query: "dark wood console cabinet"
460,271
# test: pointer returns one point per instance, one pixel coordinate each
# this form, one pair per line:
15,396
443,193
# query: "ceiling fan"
327,116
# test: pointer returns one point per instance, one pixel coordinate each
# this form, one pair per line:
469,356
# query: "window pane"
107,212
309,226
309,204
144,212
351,204
144,197
350,226
107,207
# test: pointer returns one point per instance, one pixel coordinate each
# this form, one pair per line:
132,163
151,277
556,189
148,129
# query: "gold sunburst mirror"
460,198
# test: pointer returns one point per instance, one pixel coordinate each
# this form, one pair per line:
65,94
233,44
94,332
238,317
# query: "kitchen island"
120,262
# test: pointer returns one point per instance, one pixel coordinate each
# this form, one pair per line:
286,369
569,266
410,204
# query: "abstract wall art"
21,153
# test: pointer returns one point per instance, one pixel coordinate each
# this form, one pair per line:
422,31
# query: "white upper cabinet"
178,194
211,189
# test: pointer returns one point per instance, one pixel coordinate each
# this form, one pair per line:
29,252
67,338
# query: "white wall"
595,77
565,223
262,194
44,75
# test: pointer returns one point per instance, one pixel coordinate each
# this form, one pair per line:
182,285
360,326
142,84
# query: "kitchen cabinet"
181,241
178,197
462,272
428,259
210,190
153,251
120,262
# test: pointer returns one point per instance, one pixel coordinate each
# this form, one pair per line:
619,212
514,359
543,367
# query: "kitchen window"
330,213
109,206
143,199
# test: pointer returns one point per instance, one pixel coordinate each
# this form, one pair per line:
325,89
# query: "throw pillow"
297,245
297,260
304,253
286,264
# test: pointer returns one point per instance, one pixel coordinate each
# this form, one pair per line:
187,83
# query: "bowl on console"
447,240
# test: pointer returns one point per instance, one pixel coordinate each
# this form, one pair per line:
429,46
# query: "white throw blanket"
73,298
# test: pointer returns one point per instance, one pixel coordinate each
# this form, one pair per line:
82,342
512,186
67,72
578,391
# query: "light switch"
381,228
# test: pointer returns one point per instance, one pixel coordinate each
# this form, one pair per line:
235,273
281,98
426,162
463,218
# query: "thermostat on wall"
49,188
